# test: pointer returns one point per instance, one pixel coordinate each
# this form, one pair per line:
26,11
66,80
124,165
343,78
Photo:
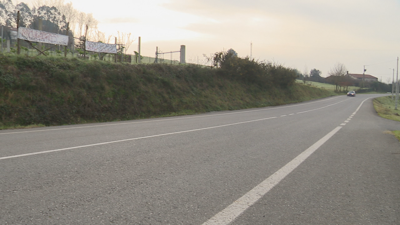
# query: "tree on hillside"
232,53
52,20
248,70
306,76
8,13
125,40
338,76
315,75
219,59
77,20
299,74
50,16
27,15
381,87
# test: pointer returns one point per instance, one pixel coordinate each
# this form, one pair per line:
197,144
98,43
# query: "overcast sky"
301,34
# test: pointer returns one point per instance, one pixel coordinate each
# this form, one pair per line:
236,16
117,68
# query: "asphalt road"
329,161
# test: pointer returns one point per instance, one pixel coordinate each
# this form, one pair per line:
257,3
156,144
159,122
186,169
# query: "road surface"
329,161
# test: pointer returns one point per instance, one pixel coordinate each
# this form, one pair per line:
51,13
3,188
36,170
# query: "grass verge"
385,107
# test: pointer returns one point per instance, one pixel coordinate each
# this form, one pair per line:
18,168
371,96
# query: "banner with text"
42,36
101,47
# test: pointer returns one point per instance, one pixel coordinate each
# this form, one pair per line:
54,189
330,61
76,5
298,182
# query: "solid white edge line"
231,212
164,119
132,139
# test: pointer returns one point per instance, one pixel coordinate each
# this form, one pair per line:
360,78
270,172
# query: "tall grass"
385,107
57,91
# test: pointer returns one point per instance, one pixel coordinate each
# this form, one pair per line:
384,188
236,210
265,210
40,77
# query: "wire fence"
9,45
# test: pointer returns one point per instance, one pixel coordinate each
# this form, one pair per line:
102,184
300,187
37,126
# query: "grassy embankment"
326,86
385,107
57,91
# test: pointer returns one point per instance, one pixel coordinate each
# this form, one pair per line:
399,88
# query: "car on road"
351,93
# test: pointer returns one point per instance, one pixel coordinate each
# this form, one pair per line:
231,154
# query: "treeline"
342,80
55,14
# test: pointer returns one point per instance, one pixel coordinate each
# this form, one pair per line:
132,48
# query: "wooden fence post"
66,47
18,42
84,43
115,58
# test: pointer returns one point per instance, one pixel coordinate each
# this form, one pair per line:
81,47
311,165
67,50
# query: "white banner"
42,36
101,47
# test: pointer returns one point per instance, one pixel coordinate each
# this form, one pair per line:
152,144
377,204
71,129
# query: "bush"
251,71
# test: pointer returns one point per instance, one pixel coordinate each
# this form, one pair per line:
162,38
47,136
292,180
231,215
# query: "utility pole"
139,50
363,77
156,61
397,85
251,50
393,85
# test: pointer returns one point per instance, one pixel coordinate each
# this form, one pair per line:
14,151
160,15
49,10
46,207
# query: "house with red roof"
360,77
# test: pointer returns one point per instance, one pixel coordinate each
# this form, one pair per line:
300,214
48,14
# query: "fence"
8,45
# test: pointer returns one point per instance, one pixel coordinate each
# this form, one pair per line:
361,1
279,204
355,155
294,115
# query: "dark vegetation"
339,77
56,91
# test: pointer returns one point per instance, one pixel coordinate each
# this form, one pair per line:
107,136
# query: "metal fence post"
2,37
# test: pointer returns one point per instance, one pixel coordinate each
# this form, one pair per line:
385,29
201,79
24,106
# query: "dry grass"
385,107
397,134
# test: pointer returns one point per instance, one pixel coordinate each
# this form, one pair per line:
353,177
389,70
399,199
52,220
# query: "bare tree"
124,39
38,3
68,11
99,36
338,76
81,17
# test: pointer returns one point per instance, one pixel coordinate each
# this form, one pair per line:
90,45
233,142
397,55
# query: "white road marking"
155,120
132,139
230,213
321,107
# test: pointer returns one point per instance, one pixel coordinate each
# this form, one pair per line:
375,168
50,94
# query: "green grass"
331,87
2,127
326,86
58,91
385,107
397,134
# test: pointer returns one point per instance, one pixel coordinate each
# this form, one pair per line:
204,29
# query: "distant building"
360,77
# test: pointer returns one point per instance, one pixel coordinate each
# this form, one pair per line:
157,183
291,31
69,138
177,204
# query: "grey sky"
302,34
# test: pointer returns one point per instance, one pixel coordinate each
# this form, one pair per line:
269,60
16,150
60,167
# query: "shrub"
251,71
